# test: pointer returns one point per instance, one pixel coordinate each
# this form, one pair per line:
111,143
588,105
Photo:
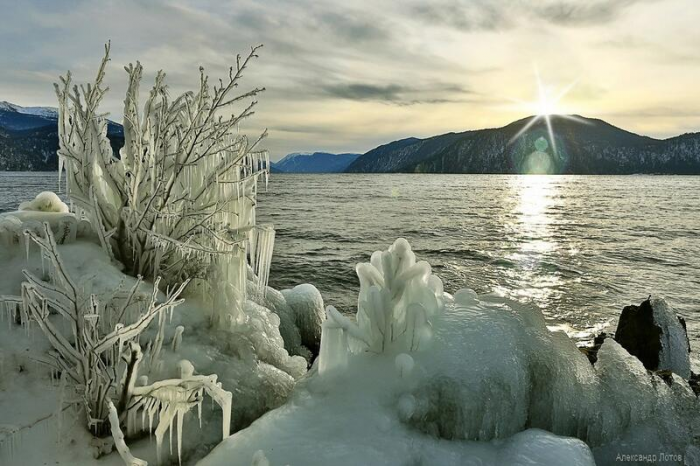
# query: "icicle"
60,171
180,417
199,408
177,338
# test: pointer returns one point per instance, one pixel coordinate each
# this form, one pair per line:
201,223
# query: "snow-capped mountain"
314,162
15,117
583,146
29,137
46,112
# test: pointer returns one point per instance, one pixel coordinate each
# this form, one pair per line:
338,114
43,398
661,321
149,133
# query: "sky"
346,76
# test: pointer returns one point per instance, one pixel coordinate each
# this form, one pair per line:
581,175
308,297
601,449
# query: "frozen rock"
261,332
656,335
45,202
299,323
65,226
307,307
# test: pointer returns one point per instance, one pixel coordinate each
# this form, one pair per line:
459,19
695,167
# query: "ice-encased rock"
655,334
495,369
66,227
46,201
307,306
300,311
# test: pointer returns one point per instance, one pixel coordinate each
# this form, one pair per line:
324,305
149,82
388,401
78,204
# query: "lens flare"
544,108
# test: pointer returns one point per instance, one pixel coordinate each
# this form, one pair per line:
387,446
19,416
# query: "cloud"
481,15
394,93
357,91
578,13
464,16
351,26
683,54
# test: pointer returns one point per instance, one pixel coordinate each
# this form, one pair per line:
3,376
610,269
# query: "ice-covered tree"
179,201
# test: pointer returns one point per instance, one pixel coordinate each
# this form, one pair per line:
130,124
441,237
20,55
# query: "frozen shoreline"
492,376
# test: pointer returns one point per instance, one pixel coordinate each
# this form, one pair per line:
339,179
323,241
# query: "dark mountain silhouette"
583,146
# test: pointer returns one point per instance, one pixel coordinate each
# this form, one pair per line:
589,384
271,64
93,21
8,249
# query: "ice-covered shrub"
398,297
99,327
179,202
95,340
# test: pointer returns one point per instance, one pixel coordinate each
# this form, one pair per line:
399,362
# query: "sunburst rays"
545,107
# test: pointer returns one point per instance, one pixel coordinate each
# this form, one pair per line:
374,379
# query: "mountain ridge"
583,146
29,137
314,162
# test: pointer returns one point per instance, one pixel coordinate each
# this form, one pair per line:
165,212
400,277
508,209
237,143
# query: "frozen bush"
398,298
180,200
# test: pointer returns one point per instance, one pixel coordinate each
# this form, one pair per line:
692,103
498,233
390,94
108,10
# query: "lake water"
580,247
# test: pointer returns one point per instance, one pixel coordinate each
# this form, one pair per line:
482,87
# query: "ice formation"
306,305
118,436
169,400
261,242
398,297
45,202
300,311
494,386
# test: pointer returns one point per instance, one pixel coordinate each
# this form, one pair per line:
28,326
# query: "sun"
546,105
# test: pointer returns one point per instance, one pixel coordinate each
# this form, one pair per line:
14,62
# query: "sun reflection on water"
532,239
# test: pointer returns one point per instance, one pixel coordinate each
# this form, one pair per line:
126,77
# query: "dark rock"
639,335
591,352
685,329
694,383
